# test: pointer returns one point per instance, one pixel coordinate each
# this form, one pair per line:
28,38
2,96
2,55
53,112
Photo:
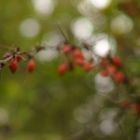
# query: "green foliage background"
40,106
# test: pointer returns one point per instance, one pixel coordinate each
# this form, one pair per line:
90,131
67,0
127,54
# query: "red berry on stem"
88,66
67,48
18,58
63,68
111,69
79,61
104,73
118,77
117,61
13,65
31,65
78,57
78,54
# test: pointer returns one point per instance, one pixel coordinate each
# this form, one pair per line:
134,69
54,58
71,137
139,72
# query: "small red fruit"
18,58
117,61
31,65
79,61
67,48
13,65
111,69
104,73
77,54
63,68
118,77
88,66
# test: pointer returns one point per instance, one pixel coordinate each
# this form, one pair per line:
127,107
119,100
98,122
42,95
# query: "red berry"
118,77
78,54
88,66
117,61
63,68
104,73
31,65
13,65
111,69
79,61
18,58
67,48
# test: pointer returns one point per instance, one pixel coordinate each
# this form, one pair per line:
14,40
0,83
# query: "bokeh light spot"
30,28
82,28
102,47
43,6
121,24
101,4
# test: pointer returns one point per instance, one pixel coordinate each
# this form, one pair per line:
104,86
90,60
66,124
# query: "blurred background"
79,105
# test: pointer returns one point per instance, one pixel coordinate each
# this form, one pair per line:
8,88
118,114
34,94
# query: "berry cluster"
15,56
74,57
14,64
112,67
